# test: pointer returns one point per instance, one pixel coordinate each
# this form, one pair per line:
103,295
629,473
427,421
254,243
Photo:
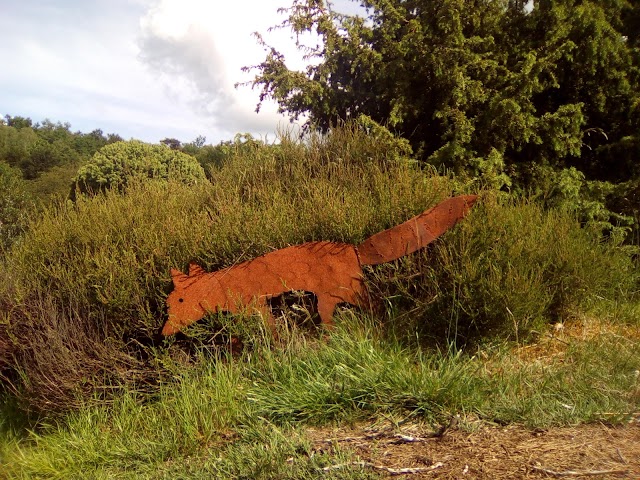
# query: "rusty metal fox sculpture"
330,270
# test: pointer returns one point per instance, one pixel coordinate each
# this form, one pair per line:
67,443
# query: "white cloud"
199,47
76,62
146,69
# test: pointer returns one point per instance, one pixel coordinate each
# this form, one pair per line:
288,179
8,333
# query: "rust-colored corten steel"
330,270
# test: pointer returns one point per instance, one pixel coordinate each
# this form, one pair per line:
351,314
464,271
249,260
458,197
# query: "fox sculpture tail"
415,233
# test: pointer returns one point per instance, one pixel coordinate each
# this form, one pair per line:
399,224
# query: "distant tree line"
40,161
34,148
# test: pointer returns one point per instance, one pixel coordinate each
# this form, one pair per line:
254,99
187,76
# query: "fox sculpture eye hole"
181,300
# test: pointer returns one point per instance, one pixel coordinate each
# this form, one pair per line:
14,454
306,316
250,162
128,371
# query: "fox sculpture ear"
195,269
177,276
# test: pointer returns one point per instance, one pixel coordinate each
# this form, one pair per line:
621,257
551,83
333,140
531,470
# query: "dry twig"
622,459
398,437
578,473
390,470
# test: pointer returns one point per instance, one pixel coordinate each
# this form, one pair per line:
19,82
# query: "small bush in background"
118,164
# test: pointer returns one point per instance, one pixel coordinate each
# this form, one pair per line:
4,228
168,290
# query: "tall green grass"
246,417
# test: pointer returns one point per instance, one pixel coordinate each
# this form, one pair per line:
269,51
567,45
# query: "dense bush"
54,183
117,164
91,278
15,205
510,270
216,156
30,151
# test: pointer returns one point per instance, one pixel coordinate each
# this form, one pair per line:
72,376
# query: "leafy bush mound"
84,296
508,271
118,164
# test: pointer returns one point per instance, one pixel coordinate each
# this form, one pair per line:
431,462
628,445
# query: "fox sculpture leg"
332,271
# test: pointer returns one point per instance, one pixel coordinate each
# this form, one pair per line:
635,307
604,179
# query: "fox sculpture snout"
331,270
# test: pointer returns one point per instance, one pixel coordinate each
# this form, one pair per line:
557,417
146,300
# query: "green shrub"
597,203
214,157
53,183
91,278
117,164
509,270
33,151
16,205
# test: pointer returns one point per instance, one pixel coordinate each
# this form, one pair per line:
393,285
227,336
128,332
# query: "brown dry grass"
480,451
554,345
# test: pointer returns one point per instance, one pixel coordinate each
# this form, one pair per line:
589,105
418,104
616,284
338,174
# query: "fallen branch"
578,473
390,470
371,436
400,438
385,437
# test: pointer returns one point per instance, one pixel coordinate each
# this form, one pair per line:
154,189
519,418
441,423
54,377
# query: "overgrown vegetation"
511,270
90,278
36,148
524,94
533,107
16,205
246,417
474,85
98,269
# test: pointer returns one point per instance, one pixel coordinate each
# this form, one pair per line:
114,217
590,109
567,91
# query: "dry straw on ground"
488,452
484,451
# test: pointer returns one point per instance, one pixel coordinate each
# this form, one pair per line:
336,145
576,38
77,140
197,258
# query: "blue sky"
146,69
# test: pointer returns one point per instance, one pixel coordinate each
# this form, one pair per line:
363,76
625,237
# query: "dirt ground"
590,451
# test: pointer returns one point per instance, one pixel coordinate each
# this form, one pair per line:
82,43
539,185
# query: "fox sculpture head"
194,295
